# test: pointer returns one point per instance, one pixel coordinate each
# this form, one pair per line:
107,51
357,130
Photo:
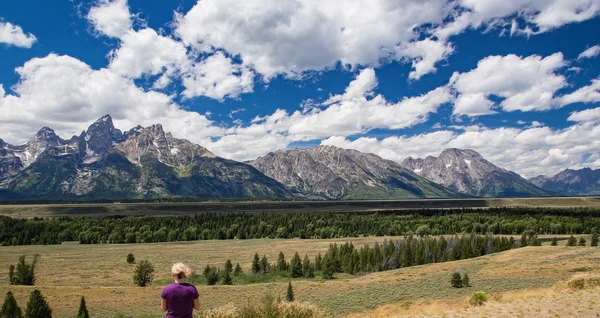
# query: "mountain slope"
103,162
334,173
571,182
466,171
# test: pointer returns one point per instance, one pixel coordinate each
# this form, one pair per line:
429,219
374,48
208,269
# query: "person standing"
179,299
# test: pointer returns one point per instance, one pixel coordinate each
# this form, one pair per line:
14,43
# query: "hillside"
571,182
99,272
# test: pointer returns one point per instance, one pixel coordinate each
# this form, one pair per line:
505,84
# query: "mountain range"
146,162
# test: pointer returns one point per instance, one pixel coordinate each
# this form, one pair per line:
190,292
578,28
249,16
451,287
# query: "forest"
222,226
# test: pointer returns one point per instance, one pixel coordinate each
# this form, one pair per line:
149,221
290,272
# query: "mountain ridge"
584,181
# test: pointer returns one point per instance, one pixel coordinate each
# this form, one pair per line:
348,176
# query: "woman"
180,299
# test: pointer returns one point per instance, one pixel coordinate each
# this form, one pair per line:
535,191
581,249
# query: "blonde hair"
181,270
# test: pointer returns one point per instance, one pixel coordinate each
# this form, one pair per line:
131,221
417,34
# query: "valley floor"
522,281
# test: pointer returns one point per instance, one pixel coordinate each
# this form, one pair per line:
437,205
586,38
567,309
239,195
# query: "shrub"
456,280
465,281
582,241
130,258
478,298
83,312
594,240
37,307
10,309
572,241
554,242
268,308
212,275
238,270
144,274
576,283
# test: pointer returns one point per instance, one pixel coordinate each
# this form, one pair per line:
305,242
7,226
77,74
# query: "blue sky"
517,81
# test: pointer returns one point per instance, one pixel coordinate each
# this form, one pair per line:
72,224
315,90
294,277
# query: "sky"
517,81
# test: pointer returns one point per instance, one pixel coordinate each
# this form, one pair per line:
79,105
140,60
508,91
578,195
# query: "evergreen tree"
281,264
130,258
25,272
296,266
289,297
264,264
10,309
594,240
212,276
256,264
206,270
465,280
582,241
83,312
238,270
456,280
572,241
11,274
226,280
554,242
228,266
37,307
144,274
318,260
306,265
523,241
327,267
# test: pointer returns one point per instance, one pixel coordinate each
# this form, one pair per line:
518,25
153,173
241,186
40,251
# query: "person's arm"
197,303
163,304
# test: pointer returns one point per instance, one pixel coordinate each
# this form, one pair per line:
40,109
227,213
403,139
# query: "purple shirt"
180,300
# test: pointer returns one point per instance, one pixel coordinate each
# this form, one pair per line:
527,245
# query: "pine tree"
289,297
256,264
228,266
281,264
238,270
25,272
83,312
523,241
206,270
465,280
264,264
582,241
37,307
296,266
11,274
554,242
306,265
456,280
226,280
10,309
318,261
130,258
572,241
327,267
212,276
144,274
594,240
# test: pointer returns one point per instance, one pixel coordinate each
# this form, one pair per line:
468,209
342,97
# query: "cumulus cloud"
110,17
590,52
357,110
524,83
530,152
66,94
587,115
11,34
586,94
295,36
217,77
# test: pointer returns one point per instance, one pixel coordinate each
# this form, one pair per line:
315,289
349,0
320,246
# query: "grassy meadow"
101,274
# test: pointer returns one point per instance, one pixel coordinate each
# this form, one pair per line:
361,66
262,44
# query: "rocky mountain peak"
584,181
466,171
101,136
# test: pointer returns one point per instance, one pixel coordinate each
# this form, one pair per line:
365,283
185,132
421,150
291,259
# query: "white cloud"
586,94
588,115
110,17
525,84
11,34
530,152
295,36
590,52
358,110
66,94
145,52
217,77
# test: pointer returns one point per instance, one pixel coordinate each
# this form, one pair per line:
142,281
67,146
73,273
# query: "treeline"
296,225
389,255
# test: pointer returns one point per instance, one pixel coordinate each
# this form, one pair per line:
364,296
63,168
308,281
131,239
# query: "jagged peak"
45,131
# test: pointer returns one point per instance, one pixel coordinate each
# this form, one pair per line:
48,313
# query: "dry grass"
100,273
